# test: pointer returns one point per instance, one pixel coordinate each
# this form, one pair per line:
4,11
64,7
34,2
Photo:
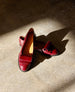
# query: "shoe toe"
23,67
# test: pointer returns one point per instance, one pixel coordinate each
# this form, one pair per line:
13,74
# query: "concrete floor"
51,20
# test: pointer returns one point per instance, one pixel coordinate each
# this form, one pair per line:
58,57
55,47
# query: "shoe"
47,48
26,53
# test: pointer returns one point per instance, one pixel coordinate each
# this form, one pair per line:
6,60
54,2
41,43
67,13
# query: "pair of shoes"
28,46
47,48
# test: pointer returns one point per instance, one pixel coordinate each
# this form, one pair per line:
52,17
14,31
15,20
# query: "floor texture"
52,20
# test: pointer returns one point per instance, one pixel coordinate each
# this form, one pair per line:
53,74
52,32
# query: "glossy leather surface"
25,59
50,49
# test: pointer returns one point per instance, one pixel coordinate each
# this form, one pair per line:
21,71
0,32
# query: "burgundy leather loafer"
26,53
47,48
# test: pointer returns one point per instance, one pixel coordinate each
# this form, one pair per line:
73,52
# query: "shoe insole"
28,47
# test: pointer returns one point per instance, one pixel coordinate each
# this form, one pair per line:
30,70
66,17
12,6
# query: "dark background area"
17,13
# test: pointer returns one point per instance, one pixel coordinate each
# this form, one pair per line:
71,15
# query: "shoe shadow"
56,38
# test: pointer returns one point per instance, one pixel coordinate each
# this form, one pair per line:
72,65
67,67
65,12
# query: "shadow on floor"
57,41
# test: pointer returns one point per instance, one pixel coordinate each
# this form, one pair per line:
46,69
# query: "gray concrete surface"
51,20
